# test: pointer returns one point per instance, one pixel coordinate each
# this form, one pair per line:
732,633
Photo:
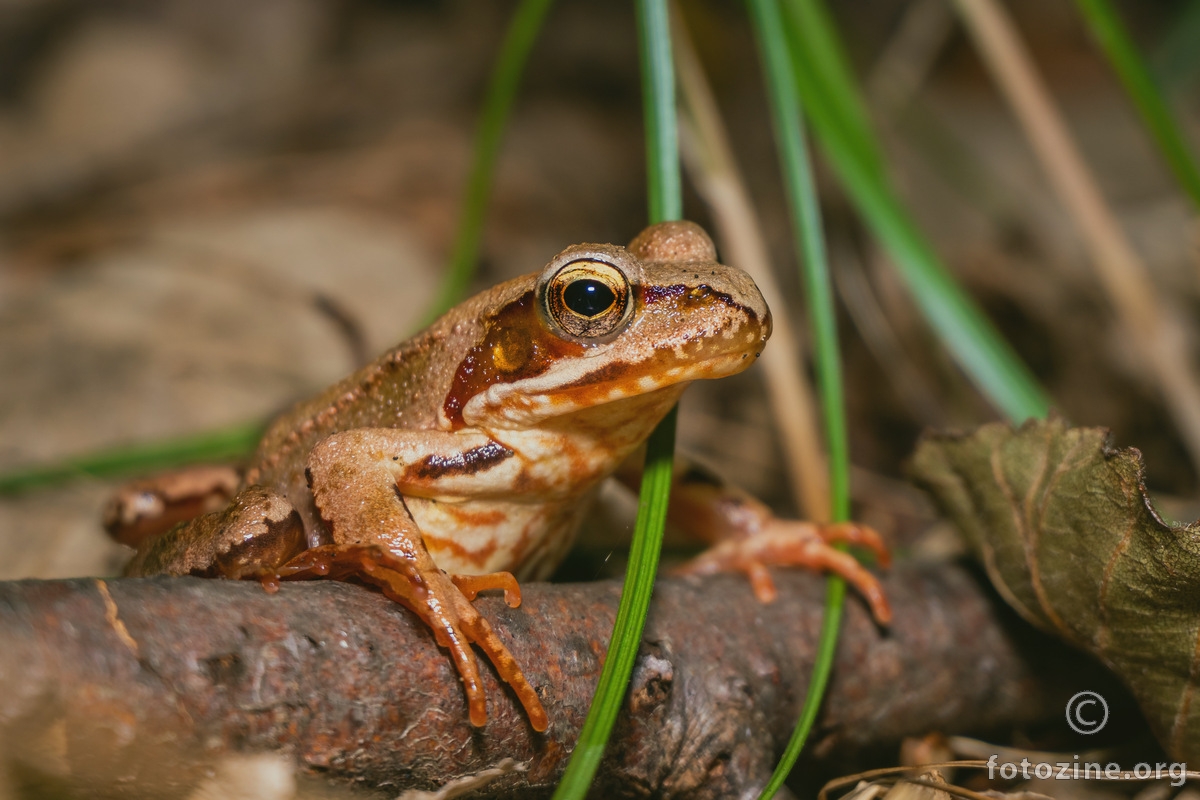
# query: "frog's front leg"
359,479
746,536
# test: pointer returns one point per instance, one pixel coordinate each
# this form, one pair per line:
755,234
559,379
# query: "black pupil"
588,298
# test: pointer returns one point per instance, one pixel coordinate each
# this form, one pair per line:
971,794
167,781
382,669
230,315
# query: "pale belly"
473,537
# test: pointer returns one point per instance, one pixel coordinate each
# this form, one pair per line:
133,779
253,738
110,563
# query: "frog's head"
603,323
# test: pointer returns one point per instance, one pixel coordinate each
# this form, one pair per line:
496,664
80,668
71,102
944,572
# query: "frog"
464,459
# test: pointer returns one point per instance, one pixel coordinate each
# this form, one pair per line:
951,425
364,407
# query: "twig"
351,687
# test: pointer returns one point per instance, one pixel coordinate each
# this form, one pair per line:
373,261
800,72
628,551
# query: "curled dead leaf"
1069,537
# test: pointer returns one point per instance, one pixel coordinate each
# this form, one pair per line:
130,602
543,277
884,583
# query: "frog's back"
392,392
404,388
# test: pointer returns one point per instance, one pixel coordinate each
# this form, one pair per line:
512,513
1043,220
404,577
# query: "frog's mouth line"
614,382
562,391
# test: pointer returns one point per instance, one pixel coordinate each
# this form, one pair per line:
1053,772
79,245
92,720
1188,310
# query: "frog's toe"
852,533
464,625
793,545
472,585
481,633
451,618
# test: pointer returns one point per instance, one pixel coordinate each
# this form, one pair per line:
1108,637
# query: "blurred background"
211,209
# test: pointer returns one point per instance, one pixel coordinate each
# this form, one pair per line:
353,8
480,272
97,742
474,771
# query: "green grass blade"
831,623
665,203
631,614
224,445
810,244
964,330
1106,26
825,72
502,90
663,181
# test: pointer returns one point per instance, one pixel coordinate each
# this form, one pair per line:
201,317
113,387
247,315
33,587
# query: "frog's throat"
571,388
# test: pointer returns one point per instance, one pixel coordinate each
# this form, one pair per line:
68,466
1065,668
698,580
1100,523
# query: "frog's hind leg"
254,534
747,537
796,543
151,506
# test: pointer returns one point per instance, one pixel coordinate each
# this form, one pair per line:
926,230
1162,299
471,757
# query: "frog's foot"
442,602
798,544
152,506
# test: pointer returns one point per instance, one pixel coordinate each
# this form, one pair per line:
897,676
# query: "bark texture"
107,685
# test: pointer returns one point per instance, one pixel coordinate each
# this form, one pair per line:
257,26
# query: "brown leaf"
1068,535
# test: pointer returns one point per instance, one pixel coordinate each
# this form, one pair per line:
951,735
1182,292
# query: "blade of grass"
665,203
221,445
1106,26
962,327
238,442
810,245
663,181
826,74
631,614
502,89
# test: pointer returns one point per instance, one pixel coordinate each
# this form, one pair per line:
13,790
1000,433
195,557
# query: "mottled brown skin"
256,533
472,449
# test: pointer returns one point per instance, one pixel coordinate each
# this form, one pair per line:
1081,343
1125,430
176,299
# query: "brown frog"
467,453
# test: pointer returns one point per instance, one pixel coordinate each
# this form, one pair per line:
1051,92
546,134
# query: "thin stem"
666,203
631,614
1106,26
658,101
810,243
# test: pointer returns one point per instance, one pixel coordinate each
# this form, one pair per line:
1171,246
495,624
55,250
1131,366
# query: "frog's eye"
588,298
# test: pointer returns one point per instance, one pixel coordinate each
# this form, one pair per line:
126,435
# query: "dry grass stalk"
714,171
1156,331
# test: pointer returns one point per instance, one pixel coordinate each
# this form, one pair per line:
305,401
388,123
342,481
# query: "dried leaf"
1068,536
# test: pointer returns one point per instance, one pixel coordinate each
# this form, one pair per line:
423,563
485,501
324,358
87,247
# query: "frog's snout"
754,306
768,325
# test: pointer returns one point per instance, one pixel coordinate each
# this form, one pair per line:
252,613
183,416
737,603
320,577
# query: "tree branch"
153,680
